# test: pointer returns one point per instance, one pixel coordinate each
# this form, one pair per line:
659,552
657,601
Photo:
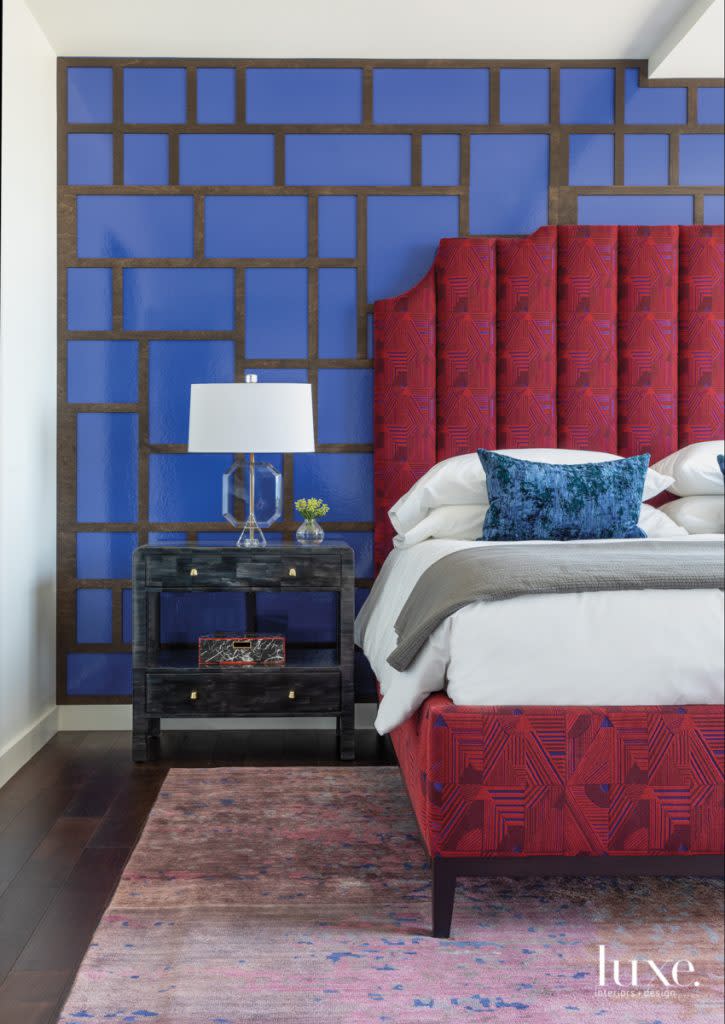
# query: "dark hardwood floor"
68,822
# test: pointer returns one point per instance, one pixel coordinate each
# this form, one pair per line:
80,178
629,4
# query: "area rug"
295,895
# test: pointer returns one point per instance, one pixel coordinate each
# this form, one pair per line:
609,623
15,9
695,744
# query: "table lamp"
253,418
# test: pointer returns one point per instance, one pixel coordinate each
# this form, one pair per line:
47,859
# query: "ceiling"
389,29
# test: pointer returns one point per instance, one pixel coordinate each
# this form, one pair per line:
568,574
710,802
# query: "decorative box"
240,651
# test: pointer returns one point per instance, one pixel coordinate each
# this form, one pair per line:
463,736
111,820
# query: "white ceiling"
384,29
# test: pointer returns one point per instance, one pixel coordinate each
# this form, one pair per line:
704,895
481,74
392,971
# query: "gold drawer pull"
194,694
291,695
292,572
194,572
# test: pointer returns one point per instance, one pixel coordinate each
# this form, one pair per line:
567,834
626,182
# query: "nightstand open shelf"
316,679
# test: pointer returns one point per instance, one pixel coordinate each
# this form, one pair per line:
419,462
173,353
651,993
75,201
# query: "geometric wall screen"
217,218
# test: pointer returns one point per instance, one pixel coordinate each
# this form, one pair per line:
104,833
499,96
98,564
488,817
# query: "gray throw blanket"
497,573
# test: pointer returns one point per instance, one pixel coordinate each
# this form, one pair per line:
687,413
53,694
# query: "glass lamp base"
251,536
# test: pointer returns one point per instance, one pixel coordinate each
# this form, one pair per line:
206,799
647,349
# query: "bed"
594,338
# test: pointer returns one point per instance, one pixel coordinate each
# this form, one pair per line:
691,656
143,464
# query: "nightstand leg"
346,737
145,741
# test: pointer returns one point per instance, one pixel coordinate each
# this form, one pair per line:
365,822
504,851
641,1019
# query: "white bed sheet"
613,647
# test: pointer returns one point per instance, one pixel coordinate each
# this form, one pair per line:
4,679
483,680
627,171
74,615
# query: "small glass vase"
310,532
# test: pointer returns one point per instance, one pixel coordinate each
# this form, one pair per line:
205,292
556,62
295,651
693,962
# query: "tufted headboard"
603,338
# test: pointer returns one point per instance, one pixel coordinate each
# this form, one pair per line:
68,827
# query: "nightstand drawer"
202,569
310,573
228,692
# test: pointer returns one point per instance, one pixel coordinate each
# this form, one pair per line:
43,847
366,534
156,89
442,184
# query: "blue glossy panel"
99,675
178,299
287,375
166,537
702,160
90,300
107,467
371,335
711,105
524,95
145,159
186,488
345,406
509,184
347,159
215,95
361,596
345,481
653,105
299,617
226,159
94,616
173,367
591,159
186,617
256,226
403,234
362,545
276,314
337,313
441,161
127,616
304,95
154,95
90,95
105,556
587,95
102,371
635,209
337,227
217,538
714,212
646,159
90,159
430,95
149,227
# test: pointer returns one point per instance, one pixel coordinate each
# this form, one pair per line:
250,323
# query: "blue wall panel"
226,159
256,226
90,301
345,406
430,95
646,159
151,227
94,616
509,183
173,367
90,159
347,160
127,616
587,95
403,234
635,209
524,95
702,160
154,95
345,481
107,473
216,95
276,313
337,313
441,160
90,95
652,105
104,556
714,212
145,159
304,95
102,371
711,105
591,159
362,544
337,227
178,299
186,488
105,675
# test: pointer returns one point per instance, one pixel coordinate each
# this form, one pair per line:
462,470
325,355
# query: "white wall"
27,390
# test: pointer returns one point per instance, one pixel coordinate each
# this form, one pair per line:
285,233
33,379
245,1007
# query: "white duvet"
623,647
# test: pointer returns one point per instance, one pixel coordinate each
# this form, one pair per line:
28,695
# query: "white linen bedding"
615,647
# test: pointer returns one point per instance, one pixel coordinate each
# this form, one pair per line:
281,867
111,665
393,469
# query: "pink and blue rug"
296,895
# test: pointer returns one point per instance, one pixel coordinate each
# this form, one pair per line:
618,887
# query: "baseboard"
92,717
19,751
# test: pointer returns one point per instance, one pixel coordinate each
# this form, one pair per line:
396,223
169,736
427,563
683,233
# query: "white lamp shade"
251,418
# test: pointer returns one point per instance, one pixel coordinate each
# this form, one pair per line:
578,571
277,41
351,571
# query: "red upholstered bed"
598,338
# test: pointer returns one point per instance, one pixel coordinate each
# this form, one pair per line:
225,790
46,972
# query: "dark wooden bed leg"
444,891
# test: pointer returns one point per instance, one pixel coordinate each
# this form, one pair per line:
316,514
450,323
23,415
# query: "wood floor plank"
33,997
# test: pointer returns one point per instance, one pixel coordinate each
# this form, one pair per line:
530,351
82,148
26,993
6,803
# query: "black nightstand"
167,680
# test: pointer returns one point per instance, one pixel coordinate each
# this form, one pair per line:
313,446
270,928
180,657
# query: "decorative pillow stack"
697,473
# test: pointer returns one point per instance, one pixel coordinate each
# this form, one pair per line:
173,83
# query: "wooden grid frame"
562,209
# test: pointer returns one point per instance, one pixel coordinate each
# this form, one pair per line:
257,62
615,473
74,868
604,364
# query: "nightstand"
169,683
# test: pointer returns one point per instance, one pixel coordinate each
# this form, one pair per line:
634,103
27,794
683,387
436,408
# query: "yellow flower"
312,508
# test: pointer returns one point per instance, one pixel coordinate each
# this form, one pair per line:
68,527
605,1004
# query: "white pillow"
695,468
702,513
461,481
656,524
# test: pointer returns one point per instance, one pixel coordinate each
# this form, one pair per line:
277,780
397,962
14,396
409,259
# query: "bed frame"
602,338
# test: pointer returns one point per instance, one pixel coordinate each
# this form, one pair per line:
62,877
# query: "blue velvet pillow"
721,463
539,501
